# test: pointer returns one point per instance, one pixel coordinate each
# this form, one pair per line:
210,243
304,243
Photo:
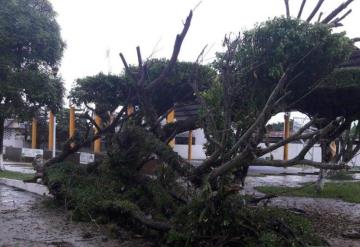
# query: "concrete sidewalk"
35,188
21,167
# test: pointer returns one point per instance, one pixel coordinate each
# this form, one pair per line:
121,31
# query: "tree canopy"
263,54
108,92
30,52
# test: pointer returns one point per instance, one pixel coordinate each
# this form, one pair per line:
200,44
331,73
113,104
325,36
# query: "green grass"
347,191
340,175
15,175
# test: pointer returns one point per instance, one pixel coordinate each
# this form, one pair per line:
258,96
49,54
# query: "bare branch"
335,12
336,24
177,46
231,164
140,62
356,39
89,107
92,121
320,15
72,149
301,9
289,163
261,118
196,6
172,129
287,8
296,136
269,104
337,20
315,10
127,69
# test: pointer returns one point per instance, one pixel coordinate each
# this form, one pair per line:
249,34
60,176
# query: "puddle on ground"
258,170
275,180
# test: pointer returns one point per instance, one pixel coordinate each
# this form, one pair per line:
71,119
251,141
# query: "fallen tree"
264,71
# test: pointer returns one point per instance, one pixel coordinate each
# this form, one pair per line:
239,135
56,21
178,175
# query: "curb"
38,189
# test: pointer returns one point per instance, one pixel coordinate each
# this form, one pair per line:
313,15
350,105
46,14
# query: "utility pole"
170,118
34,133
286,134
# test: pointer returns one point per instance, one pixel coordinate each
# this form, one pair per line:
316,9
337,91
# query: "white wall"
294,149
198,152
13,140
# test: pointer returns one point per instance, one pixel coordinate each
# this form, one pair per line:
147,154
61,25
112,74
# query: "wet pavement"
256,170
25,221
275,180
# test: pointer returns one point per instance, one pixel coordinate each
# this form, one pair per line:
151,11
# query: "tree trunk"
2,120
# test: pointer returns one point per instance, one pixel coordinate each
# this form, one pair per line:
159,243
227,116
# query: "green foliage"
99,192
108,92
227,222
30,51
176,87
337,95
339,175
347,191
341,78
254,62
264,53
94,193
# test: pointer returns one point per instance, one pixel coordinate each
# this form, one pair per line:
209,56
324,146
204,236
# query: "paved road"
25,221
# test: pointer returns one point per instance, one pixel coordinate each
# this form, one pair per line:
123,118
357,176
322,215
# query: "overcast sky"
91,27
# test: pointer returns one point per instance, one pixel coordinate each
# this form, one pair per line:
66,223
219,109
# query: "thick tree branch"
296,136
287,8
231,164
92,121
338,20
70,149
315,10
177,46
334,13
292,162
172,129
301,9
127,68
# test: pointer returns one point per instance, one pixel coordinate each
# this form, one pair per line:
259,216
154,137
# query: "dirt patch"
335,220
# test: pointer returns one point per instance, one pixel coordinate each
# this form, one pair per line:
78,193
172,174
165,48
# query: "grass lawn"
347,191
341,175
15,175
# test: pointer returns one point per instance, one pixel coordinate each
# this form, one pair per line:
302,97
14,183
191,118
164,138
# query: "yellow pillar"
97,143
34,133
51,131
71,121
170,118
130,110
190,145
286,134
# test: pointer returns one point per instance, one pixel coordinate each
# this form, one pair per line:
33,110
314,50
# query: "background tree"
30,51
